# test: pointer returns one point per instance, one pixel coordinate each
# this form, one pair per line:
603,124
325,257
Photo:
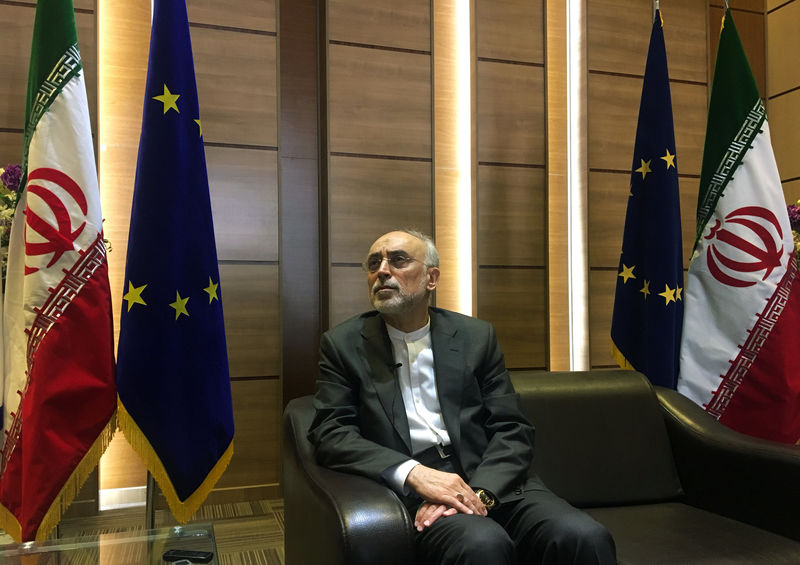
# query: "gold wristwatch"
488,500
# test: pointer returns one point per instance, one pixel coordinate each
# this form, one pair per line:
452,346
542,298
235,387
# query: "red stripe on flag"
766,402
70,399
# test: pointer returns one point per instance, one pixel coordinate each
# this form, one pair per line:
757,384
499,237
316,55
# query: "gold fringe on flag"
68,492
182,510
73,485
620,358
10,524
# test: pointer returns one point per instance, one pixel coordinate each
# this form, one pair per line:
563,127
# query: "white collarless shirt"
414,356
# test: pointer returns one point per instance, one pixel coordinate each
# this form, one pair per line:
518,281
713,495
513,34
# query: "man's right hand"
445,488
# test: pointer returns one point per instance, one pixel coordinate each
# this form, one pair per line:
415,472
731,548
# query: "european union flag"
648,305
172,376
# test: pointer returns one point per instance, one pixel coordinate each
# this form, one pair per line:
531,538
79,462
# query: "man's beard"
400,303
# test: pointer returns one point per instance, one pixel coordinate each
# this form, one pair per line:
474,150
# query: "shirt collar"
394,333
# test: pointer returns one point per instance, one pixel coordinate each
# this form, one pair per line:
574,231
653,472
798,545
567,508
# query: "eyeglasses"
397,260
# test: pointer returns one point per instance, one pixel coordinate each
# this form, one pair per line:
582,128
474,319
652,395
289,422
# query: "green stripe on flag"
732,109
55,60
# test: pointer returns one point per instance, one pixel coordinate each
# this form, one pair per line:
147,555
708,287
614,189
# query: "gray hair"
431,253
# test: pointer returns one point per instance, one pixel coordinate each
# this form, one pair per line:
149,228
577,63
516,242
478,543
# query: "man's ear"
433,278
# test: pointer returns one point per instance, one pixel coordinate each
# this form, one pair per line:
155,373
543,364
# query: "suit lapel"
448,364
380,357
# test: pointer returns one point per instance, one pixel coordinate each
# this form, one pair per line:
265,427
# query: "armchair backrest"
600,437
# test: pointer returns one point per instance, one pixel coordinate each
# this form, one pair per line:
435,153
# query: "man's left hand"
429,512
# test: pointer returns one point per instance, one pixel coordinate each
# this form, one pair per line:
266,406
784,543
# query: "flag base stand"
149,507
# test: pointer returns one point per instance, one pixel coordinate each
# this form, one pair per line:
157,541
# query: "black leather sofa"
671,483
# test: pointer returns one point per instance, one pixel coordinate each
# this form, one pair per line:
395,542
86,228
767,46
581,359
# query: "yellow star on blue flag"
169,100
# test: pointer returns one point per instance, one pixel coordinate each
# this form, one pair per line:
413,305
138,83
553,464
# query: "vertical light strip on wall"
463,140
558,318
123,31
577,180
452,150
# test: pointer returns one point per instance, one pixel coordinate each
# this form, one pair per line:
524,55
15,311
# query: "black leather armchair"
671,483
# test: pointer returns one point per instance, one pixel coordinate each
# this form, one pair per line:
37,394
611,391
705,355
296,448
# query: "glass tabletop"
163,546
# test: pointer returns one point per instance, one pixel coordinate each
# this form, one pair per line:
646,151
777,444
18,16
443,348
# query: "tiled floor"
247,533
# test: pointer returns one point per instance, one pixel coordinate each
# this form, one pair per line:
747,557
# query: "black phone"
188,554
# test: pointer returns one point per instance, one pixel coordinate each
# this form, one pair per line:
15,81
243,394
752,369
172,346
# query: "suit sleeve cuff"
396,476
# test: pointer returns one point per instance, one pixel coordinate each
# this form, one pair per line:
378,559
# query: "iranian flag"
59,395
739,352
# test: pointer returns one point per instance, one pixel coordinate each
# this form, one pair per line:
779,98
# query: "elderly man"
419,398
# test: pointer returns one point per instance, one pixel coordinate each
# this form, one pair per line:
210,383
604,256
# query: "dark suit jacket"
361,425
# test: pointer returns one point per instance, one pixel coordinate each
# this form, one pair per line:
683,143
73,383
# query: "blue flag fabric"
172,376
648,304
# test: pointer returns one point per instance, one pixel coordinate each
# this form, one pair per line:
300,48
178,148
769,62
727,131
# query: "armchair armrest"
729,473
336,518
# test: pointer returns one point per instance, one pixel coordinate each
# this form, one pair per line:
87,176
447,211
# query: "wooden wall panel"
16,21
783,72
614,112
302,170
608,202
257,420
615,52
784,123
348,293
602,284
557,80
237,86
250,299
379,102
783,89
387,23
689,113
792,191
511,189
10,148
365,194
244,201
746,5
510,113
510,30
87,43
512,216
234,13
513,300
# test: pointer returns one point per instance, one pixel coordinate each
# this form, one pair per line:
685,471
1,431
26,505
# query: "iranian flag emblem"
742,302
